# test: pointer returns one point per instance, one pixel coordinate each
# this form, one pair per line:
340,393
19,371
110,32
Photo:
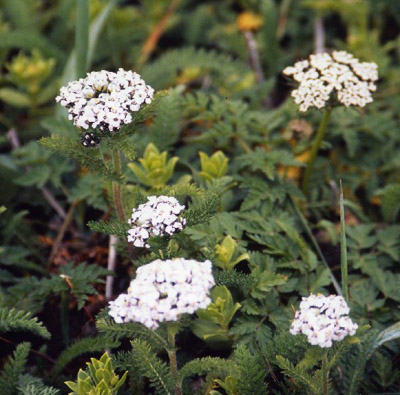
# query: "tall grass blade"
82,37
343,248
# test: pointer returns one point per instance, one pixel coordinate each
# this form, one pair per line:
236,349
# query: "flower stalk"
117,195
116,186
315,148
325,374
172,329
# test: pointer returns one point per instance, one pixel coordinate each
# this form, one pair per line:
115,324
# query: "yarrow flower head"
105,99
323,75
158,217
162,290
323,319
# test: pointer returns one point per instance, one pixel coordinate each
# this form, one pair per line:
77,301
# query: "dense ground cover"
267,197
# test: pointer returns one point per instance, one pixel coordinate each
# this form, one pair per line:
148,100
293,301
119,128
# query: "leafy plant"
100,379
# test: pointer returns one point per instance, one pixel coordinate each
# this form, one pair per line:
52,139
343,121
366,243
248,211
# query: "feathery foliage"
224,113
114,227
152,367
131,330
251,378
163,71
217,367
29,385
13,369
83,346
86,157
12,320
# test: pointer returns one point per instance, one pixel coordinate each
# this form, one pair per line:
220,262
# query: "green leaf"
83,346
13,369
14,98
390,201
153,368
12,320
38,176
388,334
95,29
115,228
22,40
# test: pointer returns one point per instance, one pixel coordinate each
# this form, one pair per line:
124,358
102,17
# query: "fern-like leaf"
297,373
115,228
29,385
131,330
12,320
355,365
162,72
203,210
152,367
89,158
233,279
251,372
13,369
218,367
83,346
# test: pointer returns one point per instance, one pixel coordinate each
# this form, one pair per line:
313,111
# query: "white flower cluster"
158,217
162,290
323,319
105,99
323,74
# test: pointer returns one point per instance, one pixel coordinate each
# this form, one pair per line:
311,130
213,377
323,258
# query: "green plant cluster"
223,136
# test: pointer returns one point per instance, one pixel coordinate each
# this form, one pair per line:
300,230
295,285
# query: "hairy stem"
315,148
343,248
325,375
117,194
172,358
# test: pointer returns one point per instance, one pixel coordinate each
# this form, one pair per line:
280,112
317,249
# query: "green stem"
315,148
315,244
325,375
117,194
81,37
343,248
64,316
171,330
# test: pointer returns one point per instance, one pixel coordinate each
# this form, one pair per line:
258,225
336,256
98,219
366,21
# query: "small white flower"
105,99
323,319
340,73
158,217
162,290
